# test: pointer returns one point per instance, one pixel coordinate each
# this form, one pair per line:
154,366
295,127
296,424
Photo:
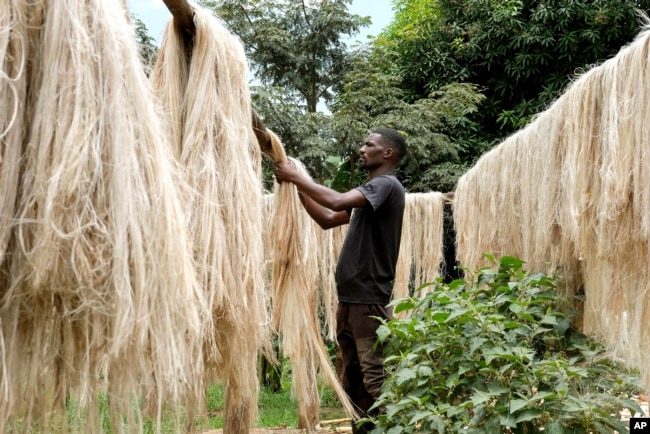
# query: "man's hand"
286,172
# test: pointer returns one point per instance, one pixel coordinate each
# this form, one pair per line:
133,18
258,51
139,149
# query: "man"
366,265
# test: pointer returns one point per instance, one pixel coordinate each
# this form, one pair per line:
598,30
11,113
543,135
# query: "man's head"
384,146
394,140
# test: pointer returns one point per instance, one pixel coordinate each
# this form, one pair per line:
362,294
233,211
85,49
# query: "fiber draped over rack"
296,299
570,194
425,214
207,108
99,294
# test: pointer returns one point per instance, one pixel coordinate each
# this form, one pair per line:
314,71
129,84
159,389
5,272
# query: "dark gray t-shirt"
366,266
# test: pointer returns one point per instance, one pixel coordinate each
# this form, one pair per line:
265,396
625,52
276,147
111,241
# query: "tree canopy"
455,76
146,43
295,44
521,53
300,58
372,98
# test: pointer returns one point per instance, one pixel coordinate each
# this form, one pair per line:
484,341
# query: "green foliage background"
455,76
521,54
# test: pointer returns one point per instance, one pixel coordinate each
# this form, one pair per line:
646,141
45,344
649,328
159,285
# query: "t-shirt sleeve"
376,191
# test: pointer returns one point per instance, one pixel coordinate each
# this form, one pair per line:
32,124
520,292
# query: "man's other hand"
285,171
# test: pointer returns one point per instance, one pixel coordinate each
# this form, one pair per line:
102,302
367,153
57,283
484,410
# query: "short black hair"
395,139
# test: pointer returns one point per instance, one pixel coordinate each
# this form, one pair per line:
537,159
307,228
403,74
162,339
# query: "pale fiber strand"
583,187
14,50
421,256
208,110
295,299
100,276
13,94
476,210
404,266
426,221
330,242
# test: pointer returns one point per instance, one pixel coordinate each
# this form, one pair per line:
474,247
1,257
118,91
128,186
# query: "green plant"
497,355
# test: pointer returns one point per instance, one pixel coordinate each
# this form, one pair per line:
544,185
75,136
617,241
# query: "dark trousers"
360,365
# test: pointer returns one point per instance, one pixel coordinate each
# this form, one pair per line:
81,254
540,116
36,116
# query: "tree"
371,98
521,53
298,56
295,44
148,48
303,134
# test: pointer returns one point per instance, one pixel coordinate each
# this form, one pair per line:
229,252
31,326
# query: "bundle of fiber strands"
267,235
13,97
425,213
330,243
99,294
403,283
497,208
295,299
421,249
580,174
208,115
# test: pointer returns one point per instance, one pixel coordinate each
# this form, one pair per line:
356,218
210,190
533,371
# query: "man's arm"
326,197
326,218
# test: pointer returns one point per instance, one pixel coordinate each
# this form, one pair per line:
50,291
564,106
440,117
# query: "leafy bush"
497,355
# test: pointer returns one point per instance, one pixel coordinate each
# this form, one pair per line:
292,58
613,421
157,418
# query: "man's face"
371,154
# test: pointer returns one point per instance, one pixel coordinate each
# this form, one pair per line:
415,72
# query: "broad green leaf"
479,397
404,375
517,404
418,416
440,317
452,380
508,420
479,414
515,325
425,371
549,319
455,314
542,395
527,316
489,257
632,405
464,367
333,160
438,423
496,389
605,429
528,415
383,332
404,305
492,425
553,428
615,423
476,343
562,325
562,389
574,406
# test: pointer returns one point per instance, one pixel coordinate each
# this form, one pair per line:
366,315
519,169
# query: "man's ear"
389,153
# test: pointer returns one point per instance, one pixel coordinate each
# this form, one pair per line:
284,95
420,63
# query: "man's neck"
382,170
